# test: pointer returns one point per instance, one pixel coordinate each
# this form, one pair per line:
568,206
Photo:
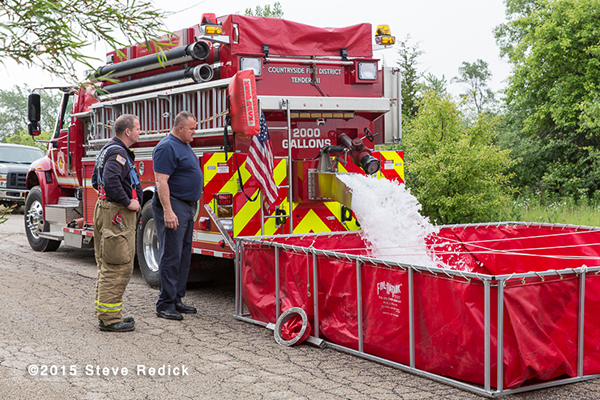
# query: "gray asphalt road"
51,348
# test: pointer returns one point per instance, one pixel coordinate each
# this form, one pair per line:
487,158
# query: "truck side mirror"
33,129
33,108
33,114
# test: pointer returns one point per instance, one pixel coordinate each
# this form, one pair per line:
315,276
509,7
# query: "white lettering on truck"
298,79
299,141
307,143
302,70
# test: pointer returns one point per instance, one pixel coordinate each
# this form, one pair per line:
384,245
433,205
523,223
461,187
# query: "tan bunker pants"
114,247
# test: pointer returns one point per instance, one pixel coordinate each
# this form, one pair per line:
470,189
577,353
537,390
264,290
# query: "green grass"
558,211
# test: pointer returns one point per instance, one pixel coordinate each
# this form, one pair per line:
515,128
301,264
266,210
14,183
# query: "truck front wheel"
35,224
147,246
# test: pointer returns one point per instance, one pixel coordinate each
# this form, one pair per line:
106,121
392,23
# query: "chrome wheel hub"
150,245
35,219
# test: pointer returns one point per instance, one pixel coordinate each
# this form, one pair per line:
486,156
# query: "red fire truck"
322,93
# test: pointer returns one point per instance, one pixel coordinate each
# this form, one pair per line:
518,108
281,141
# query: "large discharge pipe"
324,182
197,51
199,73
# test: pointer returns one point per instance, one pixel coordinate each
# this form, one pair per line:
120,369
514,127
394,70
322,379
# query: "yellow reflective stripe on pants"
112,244
103,307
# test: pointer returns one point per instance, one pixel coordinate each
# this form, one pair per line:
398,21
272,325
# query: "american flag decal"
260,162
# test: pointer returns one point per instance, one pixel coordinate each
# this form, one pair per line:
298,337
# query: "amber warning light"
209,25
383,36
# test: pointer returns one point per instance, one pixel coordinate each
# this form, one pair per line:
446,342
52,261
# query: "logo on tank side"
389,288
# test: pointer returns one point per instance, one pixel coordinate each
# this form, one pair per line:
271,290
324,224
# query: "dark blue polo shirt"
177,159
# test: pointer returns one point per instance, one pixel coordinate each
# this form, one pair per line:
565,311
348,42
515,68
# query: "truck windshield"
64,114
19,155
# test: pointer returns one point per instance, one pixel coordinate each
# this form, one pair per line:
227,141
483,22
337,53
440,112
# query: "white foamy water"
390,219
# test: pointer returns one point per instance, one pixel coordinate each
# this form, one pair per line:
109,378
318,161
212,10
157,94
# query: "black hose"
178,55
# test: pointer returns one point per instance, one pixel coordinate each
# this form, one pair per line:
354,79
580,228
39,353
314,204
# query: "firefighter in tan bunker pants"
115,219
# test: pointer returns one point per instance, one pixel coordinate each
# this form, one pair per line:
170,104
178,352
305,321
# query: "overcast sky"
448,32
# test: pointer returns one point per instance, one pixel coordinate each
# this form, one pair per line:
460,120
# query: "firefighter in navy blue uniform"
115,219
179,186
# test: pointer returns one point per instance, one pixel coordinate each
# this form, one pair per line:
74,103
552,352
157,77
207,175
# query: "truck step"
51,235
67,209
68,202
79,238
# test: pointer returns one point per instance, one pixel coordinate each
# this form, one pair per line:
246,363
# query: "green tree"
476,76
410,76
454,169
433,83
13,110
554,90
508,35
276,12
23,137
53,34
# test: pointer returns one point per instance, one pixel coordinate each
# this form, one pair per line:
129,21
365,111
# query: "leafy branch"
52,34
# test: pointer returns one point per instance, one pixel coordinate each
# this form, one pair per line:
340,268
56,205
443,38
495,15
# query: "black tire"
34,222
147,246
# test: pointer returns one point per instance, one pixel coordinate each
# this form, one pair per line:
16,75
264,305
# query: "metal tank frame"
487,280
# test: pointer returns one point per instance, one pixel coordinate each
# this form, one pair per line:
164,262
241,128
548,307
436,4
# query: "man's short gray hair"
182,117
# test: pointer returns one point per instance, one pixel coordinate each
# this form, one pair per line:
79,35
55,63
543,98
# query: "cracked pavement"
47,321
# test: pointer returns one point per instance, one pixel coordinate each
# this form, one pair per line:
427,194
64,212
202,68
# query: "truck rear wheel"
147,246
34,222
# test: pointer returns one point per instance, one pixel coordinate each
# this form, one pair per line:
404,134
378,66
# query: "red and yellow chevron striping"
221,176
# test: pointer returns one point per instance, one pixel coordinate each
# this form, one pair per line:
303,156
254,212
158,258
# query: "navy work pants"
175,252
